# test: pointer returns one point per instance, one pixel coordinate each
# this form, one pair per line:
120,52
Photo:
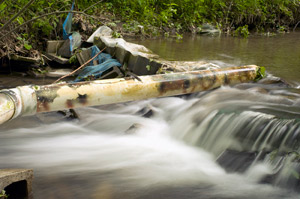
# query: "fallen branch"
83,65
51,13
296,26
16,15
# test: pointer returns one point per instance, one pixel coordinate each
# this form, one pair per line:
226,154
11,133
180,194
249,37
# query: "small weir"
253,123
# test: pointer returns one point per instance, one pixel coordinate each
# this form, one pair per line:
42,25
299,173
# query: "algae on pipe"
29,100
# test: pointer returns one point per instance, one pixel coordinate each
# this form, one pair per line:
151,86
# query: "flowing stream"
172,147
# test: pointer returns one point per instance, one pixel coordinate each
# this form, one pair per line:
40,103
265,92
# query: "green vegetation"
189,15
3,195
242,31
260,73
27,34
42,20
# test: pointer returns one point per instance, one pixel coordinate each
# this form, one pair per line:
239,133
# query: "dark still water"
280,54
173,147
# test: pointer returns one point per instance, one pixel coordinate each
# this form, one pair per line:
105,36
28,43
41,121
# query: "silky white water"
114,152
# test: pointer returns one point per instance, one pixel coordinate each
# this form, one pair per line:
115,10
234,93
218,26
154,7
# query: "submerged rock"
58,116
133,128
146,112
285,166
236,161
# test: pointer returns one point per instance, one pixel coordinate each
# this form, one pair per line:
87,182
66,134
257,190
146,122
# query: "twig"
16,15
83,65
296,26
92,6
44,15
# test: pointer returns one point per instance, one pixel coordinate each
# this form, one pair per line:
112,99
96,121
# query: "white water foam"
150,156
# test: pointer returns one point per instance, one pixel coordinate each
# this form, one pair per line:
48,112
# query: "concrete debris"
17,183
25,59
84,55
101,31
52,49
137,58
73,42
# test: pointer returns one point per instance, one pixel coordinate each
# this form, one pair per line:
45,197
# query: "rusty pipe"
31,99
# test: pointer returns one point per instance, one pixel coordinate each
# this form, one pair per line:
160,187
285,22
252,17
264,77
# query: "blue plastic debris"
105,62
67,25
72,39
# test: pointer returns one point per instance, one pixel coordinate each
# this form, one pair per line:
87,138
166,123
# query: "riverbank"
235,17
41,21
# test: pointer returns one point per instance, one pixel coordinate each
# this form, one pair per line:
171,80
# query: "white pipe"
28,100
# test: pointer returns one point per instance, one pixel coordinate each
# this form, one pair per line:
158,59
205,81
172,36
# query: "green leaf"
261,73
148,67
179,36
2,6
73,59
116,34
20,20
3,194
27,46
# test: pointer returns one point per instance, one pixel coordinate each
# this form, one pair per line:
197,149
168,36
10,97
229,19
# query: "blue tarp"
105,62
67,25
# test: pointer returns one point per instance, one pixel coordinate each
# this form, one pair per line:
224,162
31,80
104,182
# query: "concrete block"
17,183
52,49
141,65
67,49
122,55
84,55
53,46
102,31
139,59
56,58
25,59
110,50
115,72
99,43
